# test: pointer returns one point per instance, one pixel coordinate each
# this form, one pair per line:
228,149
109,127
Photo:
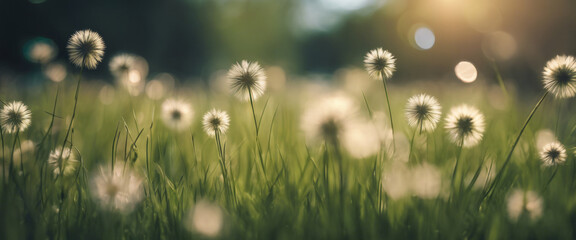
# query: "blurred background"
192,39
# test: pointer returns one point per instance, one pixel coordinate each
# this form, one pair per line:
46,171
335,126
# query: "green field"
271,177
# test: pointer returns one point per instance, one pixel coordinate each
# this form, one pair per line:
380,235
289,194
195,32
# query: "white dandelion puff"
426,181
528,202
362,139
423,112
119,190
560,76
380,64
328,118
247,78
215,121
86,49
15,117
177,114
465,125
553,154
205,218
62,160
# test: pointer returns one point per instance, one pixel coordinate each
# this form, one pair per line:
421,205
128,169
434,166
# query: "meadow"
288,157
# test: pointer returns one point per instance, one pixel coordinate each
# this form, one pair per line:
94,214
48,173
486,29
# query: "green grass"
293,191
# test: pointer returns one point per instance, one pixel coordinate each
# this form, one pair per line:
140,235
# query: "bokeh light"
466,71
424,38
56,72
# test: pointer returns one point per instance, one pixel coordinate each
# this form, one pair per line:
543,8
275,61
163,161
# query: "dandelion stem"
550,180
499,77
456,165
501,172
389,111
256,126
73,111
412,144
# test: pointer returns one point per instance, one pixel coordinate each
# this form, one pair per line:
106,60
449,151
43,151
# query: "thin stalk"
500,81
223,168
559,111
73,113
499,175
389,112
550,180
257,128
456,165
412,144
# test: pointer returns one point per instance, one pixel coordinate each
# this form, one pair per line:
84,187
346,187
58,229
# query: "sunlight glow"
424,38
466,72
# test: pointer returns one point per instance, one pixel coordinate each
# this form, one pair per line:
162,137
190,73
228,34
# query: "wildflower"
86,49
328,118
177,114
205,218
15,117
380,64
247,78
423,112
62,160
560,76
465,125
520,202
553,153
118,190
40,50
362,139
215,121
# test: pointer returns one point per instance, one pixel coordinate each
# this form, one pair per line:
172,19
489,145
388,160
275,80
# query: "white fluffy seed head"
528,202
247,78
423,112
380,64
62,160
215,121
328,118
119,190
85,49
465,125
15,117
205,218
559,76
177,114
553,154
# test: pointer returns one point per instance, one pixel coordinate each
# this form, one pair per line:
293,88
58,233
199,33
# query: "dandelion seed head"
559,76
40,50
15,117
119,190
380,64
465,125
423,112
215,121
396,181
85,49
362,139
122,64
56,72
205,218
245,78
553,154
177,114
328,118
528,202
426,181
61,160
543,137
